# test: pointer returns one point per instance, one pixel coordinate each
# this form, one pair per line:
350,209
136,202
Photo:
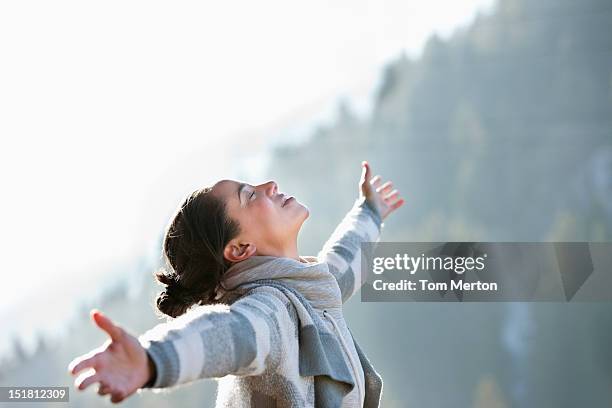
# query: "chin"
305,210
303,214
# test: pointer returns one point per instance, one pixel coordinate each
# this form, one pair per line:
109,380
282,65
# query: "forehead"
227,190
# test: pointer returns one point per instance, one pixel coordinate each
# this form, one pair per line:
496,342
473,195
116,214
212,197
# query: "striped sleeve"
244,338
342,251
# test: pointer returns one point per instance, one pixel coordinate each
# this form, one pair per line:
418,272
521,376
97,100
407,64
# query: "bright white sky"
111,111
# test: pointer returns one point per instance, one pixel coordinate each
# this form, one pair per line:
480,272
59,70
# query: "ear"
237,251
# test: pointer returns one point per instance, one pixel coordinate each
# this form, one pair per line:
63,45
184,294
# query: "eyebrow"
240,187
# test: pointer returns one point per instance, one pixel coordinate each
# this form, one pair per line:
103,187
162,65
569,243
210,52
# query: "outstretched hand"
377,194
120,365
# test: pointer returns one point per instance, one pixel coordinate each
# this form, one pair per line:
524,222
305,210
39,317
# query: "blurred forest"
503,132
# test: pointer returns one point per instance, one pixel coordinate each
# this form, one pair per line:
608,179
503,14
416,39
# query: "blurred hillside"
502,132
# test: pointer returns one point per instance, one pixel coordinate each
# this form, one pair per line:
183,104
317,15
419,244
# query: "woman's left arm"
363,223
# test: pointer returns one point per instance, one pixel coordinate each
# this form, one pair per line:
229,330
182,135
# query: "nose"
271,187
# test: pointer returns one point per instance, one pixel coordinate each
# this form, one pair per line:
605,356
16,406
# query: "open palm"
120,365
379,195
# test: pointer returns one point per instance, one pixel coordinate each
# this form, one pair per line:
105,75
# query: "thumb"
103,322
365,173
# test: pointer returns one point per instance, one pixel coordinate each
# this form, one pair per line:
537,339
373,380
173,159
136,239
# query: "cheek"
267,213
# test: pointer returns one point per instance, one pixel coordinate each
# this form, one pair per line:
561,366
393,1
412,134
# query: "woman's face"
268,221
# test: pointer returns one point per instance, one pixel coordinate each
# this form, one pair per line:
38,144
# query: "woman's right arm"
245,338
212,341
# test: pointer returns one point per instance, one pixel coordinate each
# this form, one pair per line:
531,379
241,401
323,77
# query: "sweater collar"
310,276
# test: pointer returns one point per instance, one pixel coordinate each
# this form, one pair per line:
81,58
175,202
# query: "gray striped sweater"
277,337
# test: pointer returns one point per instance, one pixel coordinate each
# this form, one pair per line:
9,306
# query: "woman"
265,319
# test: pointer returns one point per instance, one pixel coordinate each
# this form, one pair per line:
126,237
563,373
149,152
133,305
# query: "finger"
117,396
86,379
385,187
115,332
376,180
397,204
89,360
104,389
391,195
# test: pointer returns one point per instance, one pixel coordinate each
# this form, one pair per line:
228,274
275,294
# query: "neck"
289,251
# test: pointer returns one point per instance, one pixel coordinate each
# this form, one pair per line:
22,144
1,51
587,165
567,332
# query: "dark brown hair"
193,252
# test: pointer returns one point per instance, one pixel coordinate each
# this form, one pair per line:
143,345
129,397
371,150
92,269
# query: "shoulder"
270,300
268,295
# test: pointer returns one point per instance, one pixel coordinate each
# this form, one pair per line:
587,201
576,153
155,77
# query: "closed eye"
252,194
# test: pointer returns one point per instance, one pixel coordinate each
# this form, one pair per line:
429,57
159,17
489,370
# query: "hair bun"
171,301
167,278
